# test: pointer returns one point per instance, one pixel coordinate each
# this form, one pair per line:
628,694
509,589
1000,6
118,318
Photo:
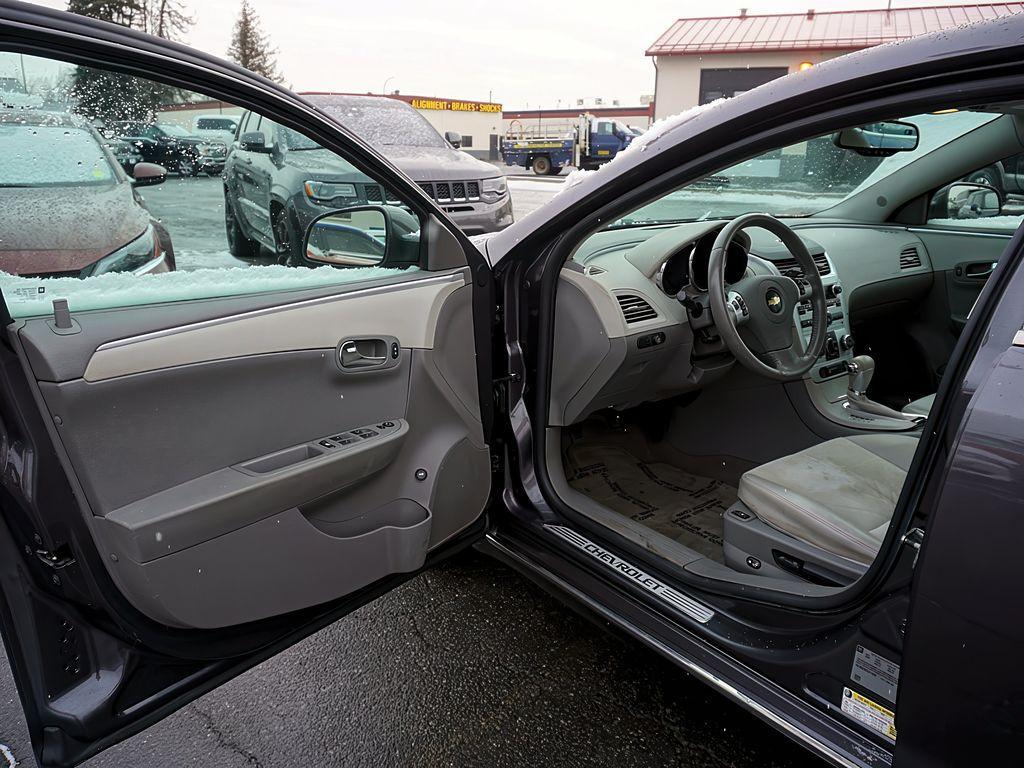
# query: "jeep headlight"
138,256
492,190
325,191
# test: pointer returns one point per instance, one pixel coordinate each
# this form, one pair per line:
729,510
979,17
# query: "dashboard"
633,320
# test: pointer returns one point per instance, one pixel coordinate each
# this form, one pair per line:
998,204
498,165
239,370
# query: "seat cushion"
921,406
839,495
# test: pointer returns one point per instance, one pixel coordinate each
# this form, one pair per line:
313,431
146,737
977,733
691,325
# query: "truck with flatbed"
546,149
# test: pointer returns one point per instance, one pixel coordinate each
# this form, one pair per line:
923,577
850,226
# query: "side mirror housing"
254,141
148,174
454,138
359,236
881,139
966,200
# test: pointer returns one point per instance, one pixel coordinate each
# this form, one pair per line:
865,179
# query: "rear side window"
113,202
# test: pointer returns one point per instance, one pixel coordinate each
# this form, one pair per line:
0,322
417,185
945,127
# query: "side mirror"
254,141
966,200
350,237
148,174
454,138
879,139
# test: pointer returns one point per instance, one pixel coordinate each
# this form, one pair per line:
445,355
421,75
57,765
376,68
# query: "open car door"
202,465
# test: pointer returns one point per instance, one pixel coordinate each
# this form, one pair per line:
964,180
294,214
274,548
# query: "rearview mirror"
351,237
964,200
879,139
454,138
148,174
254,141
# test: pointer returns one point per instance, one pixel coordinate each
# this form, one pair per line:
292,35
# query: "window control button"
327,444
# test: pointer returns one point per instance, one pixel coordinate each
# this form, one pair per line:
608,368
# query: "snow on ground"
1004,223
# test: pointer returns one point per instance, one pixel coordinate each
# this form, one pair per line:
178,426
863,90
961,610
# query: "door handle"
363,353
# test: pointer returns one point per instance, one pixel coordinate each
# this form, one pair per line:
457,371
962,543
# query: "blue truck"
546,149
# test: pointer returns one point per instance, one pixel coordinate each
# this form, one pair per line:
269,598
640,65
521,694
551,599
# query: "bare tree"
167,19
250,46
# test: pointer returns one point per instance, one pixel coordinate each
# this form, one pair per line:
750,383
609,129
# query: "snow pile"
28,296
1004,223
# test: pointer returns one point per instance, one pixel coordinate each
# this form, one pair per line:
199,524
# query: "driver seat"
838,496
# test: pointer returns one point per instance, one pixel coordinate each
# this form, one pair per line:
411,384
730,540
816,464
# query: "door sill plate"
667,594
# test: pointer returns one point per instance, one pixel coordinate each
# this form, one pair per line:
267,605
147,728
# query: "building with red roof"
698,60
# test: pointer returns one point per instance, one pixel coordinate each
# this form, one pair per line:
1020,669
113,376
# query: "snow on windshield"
381,121
48,155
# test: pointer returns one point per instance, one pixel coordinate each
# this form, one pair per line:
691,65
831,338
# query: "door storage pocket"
279,564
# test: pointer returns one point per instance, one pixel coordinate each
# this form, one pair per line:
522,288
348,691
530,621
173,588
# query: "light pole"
384,90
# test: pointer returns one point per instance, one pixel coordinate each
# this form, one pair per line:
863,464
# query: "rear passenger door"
205,459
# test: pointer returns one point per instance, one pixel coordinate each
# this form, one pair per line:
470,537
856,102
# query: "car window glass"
99,215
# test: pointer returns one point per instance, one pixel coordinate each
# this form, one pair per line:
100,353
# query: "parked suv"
276,181
216,127
173,147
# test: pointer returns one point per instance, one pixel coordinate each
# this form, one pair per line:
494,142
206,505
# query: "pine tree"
250,46
103,95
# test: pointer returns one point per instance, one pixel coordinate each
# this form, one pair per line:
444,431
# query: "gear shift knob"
860,369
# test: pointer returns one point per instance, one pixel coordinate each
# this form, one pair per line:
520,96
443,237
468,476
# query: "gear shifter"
860,370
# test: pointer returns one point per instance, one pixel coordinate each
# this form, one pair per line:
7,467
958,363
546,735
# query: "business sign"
444,105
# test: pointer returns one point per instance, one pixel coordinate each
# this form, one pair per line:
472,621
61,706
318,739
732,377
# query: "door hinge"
913,539
513,377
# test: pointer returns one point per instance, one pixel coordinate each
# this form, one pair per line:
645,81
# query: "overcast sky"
526,53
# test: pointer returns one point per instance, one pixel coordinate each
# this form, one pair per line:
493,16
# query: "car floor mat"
685,507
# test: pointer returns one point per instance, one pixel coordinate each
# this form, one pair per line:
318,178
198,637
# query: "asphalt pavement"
466,665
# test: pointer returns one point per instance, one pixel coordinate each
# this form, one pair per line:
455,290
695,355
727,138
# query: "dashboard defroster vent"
635,308
790,267
910,258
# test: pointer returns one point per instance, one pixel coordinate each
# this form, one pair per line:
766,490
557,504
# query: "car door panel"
964,260
204,451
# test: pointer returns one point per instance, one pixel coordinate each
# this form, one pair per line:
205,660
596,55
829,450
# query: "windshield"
382,122
801,179
215,124
51,155
174,130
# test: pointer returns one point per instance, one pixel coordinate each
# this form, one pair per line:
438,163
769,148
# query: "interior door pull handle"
363,353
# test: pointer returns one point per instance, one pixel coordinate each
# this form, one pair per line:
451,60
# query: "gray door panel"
233,470
964,259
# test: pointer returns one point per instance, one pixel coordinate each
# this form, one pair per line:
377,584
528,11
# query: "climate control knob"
846,342
834,290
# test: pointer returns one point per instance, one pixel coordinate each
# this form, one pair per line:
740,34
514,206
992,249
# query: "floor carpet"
684,507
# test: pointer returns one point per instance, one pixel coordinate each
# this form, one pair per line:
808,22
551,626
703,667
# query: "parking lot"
467,665
192,209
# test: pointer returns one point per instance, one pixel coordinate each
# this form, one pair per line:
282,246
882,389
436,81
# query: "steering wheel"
755,315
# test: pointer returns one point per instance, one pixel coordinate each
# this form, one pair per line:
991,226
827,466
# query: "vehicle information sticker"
868,713
21,293
876,673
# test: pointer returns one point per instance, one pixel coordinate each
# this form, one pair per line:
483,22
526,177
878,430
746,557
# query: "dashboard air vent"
910,258
790,267
635,308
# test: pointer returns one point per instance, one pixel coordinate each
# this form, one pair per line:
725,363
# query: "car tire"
541,165
239,246
989,176
554,170
285,238
187,167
